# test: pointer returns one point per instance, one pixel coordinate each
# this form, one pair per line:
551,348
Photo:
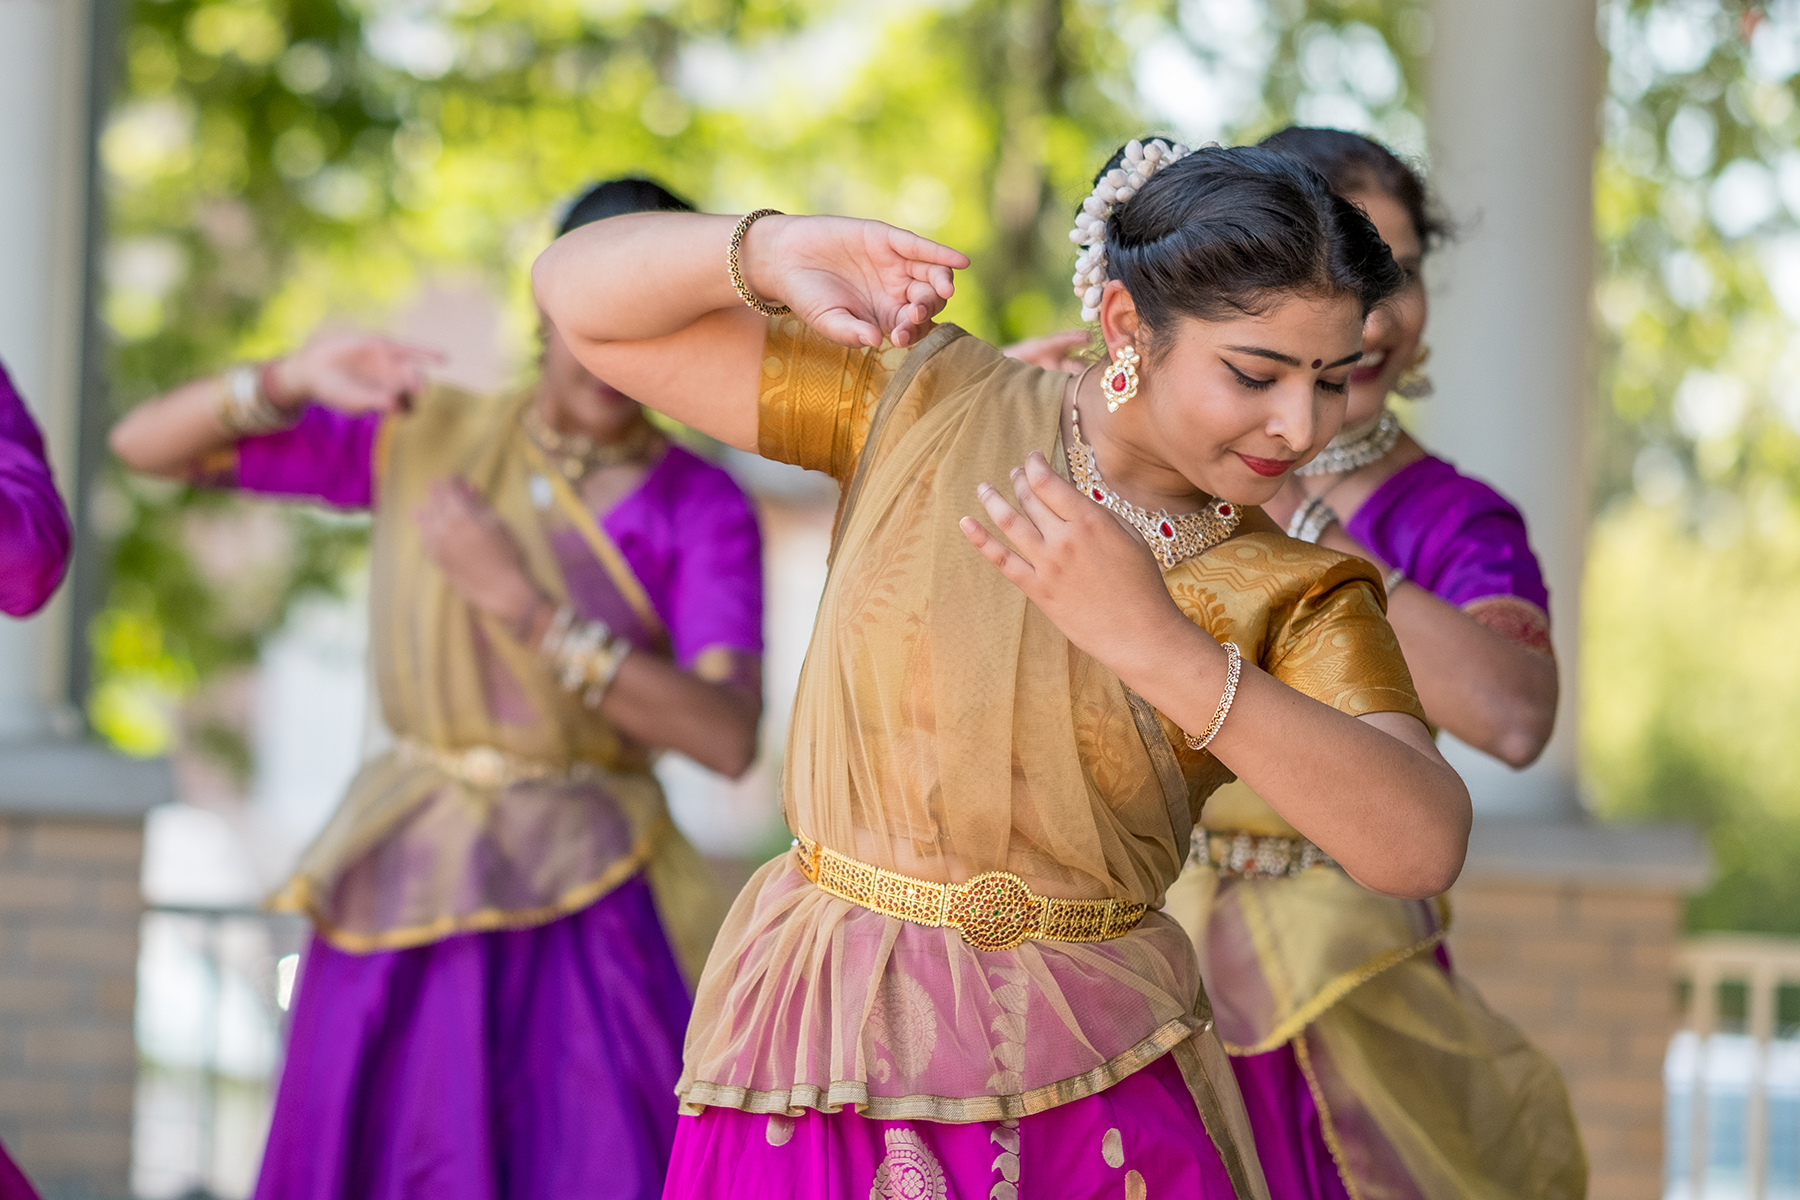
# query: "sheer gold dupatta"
944,727
426,843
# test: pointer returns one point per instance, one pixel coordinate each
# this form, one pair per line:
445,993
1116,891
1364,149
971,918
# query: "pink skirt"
1141,1137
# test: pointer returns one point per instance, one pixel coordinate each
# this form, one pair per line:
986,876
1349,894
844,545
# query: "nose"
1377,325
1296,417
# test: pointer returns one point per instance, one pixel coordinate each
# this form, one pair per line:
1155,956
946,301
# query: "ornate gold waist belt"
996,910
490,767
1243,855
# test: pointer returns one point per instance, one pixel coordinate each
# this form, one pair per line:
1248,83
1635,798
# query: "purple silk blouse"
1454,536
688,531
34,525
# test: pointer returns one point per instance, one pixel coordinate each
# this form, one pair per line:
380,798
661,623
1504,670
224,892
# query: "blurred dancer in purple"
34,525
34,551
492,1006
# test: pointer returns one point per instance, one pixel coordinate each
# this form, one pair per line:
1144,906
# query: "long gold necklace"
1172,539
577,454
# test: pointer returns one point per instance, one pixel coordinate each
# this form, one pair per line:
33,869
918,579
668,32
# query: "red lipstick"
1266,467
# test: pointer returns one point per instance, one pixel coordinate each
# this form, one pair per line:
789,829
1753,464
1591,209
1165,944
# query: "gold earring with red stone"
1120,382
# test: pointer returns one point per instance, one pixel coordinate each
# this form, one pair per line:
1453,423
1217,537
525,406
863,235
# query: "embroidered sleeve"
1337,647
817,398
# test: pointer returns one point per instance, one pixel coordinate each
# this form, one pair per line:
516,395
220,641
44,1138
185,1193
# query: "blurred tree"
1688,698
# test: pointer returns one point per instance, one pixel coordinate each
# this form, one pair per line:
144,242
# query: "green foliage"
274,163
1688,698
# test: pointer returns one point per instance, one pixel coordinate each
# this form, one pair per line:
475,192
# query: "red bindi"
1317,363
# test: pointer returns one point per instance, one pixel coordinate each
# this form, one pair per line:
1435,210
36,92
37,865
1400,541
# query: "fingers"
910,245
1018,528
1053,490
1034,508
994,550
844,328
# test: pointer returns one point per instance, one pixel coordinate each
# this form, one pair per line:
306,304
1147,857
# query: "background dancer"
1370,1069
490,1007
34,525
957,981
34,553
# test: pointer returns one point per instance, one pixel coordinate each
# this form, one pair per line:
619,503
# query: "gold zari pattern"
996,910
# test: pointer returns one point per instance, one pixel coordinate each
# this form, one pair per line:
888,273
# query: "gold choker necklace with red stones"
1172,539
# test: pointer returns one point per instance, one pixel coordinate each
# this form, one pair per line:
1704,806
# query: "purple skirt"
1141,1137
13,1184
536,1064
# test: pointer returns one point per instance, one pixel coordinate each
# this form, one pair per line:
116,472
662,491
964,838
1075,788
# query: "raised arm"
171,434
647,303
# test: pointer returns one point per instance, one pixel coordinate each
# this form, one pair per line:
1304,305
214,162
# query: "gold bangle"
1234,664
737,274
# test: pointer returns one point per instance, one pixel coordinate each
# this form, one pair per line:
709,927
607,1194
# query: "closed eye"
1249,381
1339,388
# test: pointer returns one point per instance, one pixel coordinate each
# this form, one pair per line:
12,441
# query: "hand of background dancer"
477,554
1053,351
352,372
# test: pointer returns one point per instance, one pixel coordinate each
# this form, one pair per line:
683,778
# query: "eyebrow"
1277,356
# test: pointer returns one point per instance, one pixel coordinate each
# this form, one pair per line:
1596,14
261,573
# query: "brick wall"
69,909
1589,974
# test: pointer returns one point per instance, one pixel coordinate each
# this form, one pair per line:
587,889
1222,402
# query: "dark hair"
1235,230
1351,162
616,197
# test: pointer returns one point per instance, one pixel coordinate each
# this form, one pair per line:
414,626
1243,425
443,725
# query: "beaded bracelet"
245,409
1234,664
1310,519
737,273
587,656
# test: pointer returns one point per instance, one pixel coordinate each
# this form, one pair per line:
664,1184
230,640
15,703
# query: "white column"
1513,115
44,78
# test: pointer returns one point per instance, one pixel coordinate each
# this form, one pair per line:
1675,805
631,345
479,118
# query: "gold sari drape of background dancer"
944,727
1426,1094
417,852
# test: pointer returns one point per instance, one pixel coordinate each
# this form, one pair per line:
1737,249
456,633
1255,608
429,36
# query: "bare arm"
352,372
646,303
1373,792
1488,690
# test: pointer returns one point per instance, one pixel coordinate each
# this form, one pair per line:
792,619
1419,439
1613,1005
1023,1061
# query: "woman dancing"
1368,1067
490,1007
957,981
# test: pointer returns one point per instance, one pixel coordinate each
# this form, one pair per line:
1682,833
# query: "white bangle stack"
245,409
1310,520
587,656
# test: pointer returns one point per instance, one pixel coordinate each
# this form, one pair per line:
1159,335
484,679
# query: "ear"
1119,322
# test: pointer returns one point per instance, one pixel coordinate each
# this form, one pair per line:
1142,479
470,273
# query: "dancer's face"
1391,334
575,401
1235,405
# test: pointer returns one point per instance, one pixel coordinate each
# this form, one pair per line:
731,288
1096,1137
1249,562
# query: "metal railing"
213,991
1732,1076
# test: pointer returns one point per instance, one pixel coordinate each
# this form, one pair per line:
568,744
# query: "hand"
1093,578
1053,352
477,553
854,281
352,372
